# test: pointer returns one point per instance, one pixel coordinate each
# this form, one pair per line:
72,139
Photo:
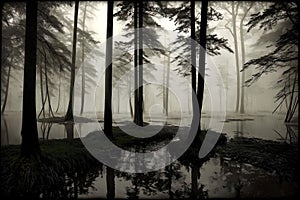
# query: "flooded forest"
149,99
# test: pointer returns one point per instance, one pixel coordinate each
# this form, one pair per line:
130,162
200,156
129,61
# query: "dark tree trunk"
69,115
193,46
30,142
42,92
140,101
168,82
47,89
202,51
70,130
6,91
1,7
82,61
136,91
59,91
164,88
108,71
8,75
193,60
129,95
110,183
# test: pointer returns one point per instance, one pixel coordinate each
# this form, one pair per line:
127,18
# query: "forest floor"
279,157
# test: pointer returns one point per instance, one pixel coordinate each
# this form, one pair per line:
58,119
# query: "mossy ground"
269,155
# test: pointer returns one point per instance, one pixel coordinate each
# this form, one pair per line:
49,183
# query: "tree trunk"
291,108
194,179
193,46
42,92
140,71
69,115
108,71
69,127
110,183
129,95
202,54
193,60
242,108
30,142
118,106
82,61
47,90
236,53
168,82
59,91
1,7
6,90
136,91
164,86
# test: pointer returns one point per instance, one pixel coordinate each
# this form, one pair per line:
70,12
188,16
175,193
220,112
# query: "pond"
218,177
260,125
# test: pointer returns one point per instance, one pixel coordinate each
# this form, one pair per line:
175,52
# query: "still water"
260,125
216,178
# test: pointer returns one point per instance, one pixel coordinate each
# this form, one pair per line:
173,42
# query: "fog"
258,97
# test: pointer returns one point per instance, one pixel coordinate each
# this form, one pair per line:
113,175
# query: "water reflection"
260,125
189,177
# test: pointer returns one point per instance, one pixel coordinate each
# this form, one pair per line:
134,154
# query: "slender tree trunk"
6,89
6,129
194,180
118,106
47,89
82,61
129,95
193,60
69,116
30,143
42,92
170,175
236,53
202,54
164,86
289,110
108,71
59,90
140,72
110,183
242,108
168,82
1,7
69,127
189,100
193,46
136,91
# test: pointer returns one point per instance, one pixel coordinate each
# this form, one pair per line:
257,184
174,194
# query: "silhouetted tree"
129,11
69,116
233,11
110,183
82,59
139,112
30,142
108,71
202,55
